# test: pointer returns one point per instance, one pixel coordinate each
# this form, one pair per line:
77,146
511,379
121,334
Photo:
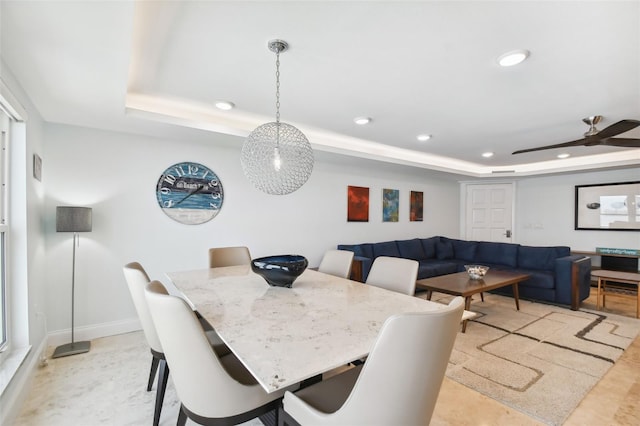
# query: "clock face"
189,193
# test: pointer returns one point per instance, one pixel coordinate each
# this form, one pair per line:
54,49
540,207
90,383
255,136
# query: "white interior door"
489,210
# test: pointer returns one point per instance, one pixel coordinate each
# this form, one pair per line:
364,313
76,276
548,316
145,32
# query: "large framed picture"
608,207
357,204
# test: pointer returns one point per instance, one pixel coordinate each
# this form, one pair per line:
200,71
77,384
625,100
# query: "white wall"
546,205
27,251
116,174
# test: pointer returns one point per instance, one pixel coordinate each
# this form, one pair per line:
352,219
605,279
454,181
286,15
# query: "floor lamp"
72,219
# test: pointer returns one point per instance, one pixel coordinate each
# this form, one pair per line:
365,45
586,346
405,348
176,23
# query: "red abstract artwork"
357,204
415,210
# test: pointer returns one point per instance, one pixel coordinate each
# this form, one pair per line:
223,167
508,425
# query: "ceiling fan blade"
578,142
617,128
624,142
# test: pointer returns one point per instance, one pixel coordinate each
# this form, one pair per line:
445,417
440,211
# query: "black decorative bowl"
280,271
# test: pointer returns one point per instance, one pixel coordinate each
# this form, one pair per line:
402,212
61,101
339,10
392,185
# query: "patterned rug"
541,360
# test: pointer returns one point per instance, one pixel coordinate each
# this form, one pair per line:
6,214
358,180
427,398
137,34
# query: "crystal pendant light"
277,157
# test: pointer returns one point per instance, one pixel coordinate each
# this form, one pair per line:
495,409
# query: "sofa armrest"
573,280
360,268
580,279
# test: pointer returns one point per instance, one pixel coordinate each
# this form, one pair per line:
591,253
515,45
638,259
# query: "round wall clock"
189,193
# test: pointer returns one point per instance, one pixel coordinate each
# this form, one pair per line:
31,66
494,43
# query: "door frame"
463,204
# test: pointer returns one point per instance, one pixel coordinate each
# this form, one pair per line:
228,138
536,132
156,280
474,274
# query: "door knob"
508,233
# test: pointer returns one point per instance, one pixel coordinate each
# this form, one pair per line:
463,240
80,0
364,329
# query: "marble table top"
286,335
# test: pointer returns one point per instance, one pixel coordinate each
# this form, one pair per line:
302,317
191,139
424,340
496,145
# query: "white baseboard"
95,331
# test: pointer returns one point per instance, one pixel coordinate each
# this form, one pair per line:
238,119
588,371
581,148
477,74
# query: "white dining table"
286,335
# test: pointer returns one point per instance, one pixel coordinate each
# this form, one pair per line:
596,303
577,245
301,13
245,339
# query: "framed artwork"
357,204
37,167
608,207
390,202
415,206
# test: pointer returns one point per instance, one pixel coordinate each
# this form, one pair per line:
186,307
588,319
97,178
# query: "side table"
605,275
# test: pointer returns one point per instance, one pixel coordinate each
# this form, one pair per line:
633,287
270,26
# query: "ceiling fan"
599,137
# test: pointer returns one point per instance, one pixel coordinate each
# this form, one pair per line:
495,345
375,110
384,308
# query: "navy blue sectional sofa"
556,275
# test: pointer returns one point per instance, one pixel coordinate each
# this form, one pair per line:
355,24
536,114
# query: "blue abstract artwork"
390,203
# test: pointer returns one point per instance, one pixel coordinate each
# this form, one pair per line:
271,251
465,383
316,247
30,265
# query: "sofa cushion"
429,247
387,248
433,268
362,250
411,249
540,258
497,253
464,250
444,249
537,278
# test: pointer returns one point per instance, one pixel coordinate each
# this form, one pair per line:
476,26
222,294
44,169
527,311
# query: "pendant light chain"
278,86
278,102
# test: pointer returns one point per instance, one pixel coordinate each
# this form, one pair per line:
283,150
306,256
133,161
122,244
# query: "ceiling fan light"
487,154
423,137
564,155
513,57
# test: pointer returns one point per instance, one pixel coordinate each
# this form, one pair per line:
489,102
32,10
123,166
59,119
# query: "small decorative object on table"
280,271
476,272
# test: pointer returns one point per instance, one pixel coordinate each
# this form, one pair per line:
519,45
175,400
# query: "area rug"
541,360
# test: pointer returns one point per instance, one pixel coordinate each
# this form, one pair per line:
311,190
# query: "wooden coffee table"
460,284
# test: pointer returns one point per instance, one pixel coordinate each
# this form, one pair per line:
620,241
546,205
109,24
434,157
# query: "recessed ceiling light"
513,58
487,154
362,120
225,105
423,137
565,155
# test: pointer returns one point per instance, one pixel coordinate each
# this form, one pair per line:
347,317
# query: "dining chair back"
137,279
395,274
337,262
212,389
229,256
398,384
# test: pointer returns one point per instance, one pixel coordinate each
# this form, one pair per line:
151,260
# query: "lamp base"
71,349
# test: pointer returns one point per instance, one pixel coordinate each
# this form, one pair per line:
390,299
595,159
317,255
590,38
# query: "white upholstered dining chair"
137,279
212,389
397,385
395,274
337,262
229,256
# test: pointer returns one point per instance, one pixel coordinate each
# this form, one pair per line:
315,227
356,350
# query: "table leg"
604,293
598,294
516,295
638,302
429,292
482,296
467,306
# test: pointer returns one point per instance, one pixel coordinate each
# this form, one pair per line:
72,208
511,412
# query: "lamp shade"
73,219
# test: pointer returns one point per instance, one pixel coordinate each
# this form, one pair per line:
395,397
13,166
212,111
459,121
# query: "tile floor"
107,387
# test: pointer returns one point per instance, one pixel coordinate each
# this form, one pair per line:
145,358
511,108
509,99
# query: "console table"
615,262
